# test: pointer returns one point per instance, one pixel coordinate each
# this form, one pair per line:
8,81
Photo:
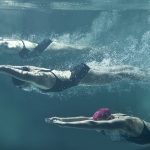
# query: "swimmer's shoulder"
124,116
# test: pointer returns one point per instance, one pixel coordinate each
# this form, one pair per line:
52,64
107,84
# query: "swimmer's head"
18,83
102,114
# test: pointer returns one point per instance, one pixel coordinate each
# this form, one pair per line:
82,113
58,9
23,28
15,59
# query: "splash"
101,43
104,44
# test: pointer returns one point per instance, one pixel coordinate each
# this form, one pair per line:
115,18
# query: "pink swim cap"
102,113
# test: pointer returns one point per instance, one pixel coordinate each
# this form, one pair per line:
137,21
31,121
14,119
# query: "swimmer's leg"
131,73
111,74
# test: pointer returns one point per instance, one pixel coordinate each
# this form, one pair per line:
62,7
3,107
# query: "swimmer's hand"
54,120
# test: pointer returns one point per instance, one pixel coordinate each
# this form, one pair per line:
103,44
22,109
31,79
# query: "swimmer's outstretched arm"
67,119
29,68
17,72
91,124
42,80
23,68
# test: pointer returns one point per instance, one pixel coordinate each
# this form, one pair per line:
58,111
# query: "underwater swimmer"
27,49
118,126
46,80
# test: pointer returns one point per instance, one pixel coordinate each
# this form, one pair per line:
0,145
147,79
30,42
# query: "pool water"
117,32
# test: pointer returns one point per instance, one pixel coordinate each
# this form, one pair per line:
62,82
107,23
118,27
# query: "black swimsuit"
143,138
26,53
77,73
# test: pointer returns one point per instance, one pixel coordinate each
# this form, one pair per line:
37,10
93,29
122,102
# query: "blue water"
118,32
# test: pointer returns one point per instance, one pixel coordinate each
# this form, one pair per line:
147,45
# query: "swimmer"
47,80
118,126
28,49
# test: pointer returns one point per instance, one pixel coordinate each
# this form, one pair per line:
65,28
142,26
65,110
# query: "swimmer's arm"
67,119
11,68
91,124
80,118
42,80
31,68
17,73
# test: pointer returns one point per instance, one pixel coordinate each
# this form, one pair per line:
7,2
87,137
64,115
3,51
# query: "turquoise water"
118,32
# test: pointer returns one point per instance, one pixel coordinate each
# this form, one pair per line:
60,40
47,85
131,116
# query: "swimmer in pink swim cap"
102,114
132,129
